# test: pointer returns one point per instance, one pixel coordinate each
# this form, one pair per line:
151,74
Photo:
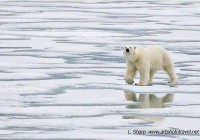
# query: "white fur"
147,61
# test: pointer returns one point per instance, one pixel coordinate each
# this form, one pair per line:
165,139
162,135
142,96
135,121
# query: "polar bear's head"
129,52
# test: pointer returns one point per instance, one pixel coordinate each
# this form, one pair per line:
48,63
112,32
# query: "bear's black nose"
127,50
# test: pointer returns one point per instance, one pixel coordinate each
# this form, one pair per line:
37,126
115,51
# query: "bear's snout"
127,49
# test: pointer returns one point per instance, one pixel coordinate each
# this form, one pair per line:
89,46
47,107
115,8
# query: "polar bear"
147,61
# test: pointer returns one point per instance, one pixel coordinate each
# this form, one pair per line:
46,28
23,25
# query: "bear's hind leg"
172,75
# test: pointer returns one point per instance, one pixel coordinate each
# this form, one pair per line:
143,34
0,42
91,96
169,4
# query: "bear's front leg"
144,78
130,74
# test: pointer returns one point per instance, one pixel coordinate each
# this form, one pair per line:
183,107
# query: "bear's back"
157,56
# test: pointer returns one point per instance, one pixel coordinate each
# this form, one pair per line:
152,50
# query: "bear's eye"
130,47
134,48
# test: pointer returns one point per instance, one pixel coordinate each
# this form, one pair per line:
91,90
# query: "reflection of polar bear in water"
147,61
147,101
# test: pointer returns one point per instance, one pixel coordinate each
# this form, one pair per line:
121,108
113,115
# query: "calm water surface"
61,69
